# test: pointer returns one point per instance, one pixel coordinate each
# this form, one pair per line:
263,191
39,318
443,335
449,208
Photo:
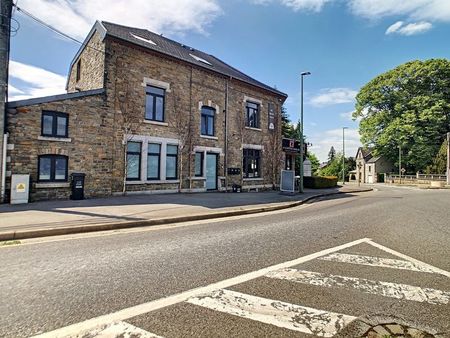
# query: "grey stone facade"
101,125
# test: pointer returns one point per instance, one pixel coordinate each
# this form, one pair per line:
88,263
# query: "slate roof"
366,152
180,51
374,159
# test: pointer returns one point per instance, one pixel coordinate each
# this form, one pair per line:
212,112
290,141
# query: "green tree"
407,106
334,167
439,165
331,154
315,163
287,128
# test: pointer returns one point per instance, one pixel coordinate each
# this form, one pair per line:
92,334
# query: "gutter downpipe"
3,184
226,134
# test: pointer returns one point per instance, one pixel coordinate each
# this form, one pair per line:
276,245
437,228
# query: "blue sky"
343,43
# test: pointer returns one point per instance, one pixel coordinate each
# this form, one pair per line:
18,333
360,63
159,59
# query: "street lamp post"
301,132
448,158
343,155
400,162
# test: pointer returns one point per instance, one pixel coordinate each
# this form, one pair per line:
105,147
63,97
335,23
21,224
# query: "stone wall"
129,69
88,146
92,67
100,126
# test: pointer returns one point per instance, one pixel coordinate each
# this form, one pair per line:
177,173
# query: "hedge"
319,182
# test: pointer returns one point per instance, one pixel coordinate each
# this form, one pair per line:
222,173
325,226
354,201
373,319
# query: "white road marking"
386,289
116,329
181,297
289,316
408,258
378,262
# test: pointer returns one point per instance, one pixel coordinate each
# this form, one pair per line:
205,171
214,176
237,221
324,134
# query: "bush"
320,182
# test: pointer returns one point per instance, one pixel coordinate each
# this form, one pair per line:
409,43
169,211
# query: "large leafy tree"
408,106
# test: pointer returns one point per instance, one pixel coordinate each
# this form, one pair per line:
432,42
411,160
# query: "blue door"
211,171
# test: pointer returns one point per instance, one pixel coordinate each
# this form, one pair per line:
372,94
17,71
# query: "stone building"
146,114
368,167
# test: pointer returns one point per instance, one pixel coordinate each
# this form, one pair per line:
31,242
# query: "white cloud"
409,29
308,5
170,17
428,10
38,81
331,96
297,5
348,116
323,141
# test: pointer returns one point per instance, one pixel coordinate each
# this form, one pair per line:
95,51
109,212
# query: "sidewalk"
68,217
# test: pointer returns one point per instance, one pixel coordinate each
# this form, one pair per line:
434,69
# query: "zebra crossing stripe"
289,316
386,289
408,258
116,329
378,262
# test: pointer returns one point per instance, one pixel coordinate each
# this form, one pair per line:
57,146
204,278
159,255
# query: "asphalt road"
55,282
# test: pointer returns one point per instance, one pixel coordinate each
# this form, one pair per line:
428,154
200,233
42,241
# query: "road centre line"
380,288
378,262
273,312
183,296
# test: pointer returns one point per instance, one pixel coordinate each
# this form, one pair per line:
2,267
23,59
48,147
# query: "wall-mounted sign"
21,187
234,171
291,146
271,112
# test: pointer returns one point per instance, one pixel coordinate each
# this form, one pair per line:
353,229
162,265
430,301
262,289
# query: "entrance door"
211,171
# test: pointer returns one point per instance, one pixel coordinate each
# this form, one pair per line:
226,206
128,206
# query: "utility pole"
448,158
343,155
5,33
400,162
300,186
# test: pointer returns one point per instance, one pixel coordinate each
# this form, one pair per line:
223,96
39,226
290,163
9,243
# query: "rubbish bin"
77,184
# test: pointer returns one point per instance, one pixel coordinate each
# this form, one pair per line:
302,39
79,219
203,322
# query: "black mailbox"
77,184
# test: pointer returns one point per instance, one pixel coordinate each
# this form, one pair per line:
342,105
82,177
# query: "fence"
415,179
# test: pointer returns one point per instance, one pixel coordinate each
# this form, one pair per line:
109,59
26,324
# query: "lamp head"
305,73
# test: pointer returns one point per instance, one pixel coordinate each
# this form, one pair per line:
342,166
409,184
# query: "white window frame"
144,151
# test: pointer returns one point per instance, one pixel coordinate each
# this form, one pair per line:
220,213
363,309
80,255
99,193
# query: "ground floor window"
133,161
153,161
171,162
252,163
199,156
52,168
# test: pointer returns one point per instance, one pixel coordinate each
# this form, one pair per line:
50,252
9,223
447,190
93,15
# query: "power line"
57,31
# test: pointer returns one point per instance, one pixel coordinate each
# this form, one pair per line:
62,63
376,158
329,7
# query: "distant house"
368,167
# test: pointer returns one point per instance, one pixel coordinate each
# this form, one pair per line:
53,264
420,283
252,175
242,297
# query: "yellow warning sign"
20,187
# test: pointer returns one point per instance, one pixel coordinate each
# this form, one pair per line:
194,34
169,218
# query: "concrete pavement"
57,282
67,217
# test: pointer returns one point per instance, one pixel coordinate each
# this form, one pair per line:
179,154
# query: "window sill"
253,179
209,137
198,178
54,139
153,182
157,123
251,128
52,185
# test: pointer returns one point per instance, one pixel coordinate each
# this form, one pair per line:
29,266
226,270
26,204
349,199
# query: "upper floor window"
154,103
54,124
52,168
207,118
252,115
133,161
78,75
252,163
